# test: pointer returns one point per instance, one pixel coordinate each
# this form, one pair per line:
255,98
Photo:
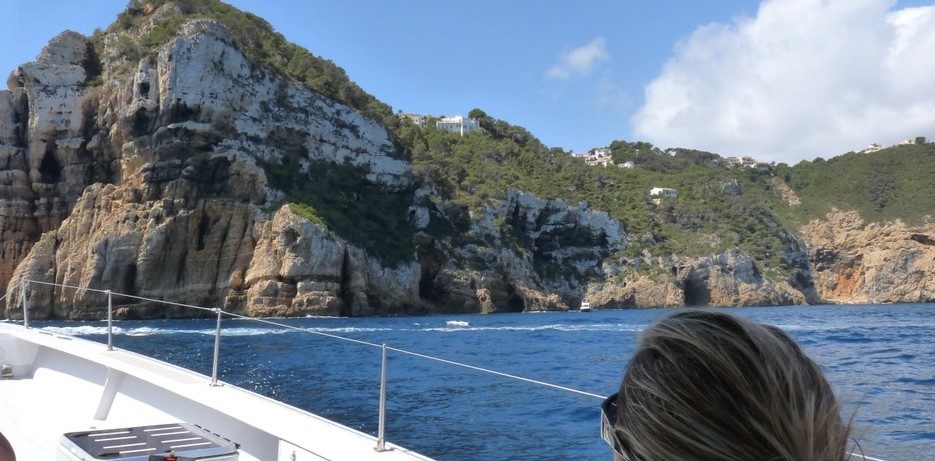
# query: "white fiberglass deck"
62,384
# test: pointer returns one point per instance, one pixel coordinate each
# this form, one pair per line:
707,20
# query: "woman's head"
706,385
6,450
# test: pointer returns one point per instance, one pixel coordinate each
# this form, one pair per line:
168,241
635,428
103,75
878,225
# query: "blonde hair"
706,385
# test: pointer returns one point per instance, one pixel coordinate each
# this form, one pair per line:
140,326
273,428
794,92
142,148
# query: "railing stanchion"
25,305
110,321
381,431
217,349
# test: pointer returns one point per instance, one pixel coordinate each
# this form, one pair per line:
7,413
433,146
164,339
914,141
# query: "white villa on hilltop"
416,119
458,124
740,162
746,162
600,156
659,193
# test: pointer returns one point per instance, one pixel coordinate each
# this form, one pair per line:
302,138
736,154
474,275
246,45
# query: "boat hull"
60,384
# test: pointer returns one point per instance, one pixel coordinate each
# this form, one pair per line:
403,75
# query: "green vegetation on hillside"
894,183
716,208
340,198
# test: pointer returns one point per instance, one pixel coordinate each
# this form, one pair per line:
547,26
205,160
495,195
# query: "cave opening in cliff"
345,293
128,284
21,125
180,112
515,303
203,227
696,293
144,89
431,261
50,170
141,122
427,288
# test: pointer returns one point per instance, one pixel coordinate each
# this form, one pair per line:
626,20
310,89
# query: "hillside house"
601,152
740,162
600,156
416,119
458,124
628,165
661,193
872,148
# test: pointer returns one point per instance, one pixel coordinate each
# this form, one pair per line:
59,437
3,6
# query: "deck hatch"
145,443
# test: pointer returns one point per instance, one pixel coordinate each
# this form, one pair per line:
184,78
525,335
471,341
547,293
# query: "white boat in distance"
585,306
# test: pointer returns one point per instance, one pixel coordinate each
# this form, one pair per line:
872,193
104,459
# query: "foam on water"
97,330
550,327
451,326
83,330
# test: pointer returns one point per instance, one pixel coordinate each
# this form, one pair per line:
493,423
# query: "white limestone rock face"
68,47
176,143
538,255
43,117
111,240
43,75
391,289
203,78
53,86
291,251
543,218
725,279
731,279
299,268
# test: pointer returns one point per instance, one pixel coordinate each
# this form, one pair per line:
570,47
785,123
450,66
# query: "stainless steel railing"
381,435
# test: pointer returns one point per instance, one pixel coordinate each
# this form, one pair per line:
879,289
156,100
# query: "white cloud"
579,61
803,79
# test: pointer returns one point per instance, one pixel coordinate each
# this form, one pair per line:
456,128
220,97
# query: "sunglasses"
608,421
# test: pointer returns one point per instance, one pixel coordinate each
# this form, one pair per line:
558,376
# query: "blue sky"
780,80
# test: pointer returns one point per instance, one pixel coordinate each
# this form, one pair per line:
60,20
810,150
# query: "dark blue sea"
880,359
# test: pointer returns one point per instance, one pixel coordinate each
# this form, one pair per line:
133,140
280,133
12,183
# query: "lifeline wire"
342,338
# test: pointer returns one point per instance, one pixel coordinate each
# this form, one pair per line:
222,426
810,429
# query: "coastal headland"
180,155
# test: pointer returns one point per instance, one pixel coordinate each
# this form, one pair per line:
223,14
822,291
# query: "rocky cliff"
853,262
152,184
149,185
727,279
167,175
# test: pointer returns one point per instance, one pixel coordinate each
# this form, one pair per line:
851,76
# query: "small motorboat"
585,306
